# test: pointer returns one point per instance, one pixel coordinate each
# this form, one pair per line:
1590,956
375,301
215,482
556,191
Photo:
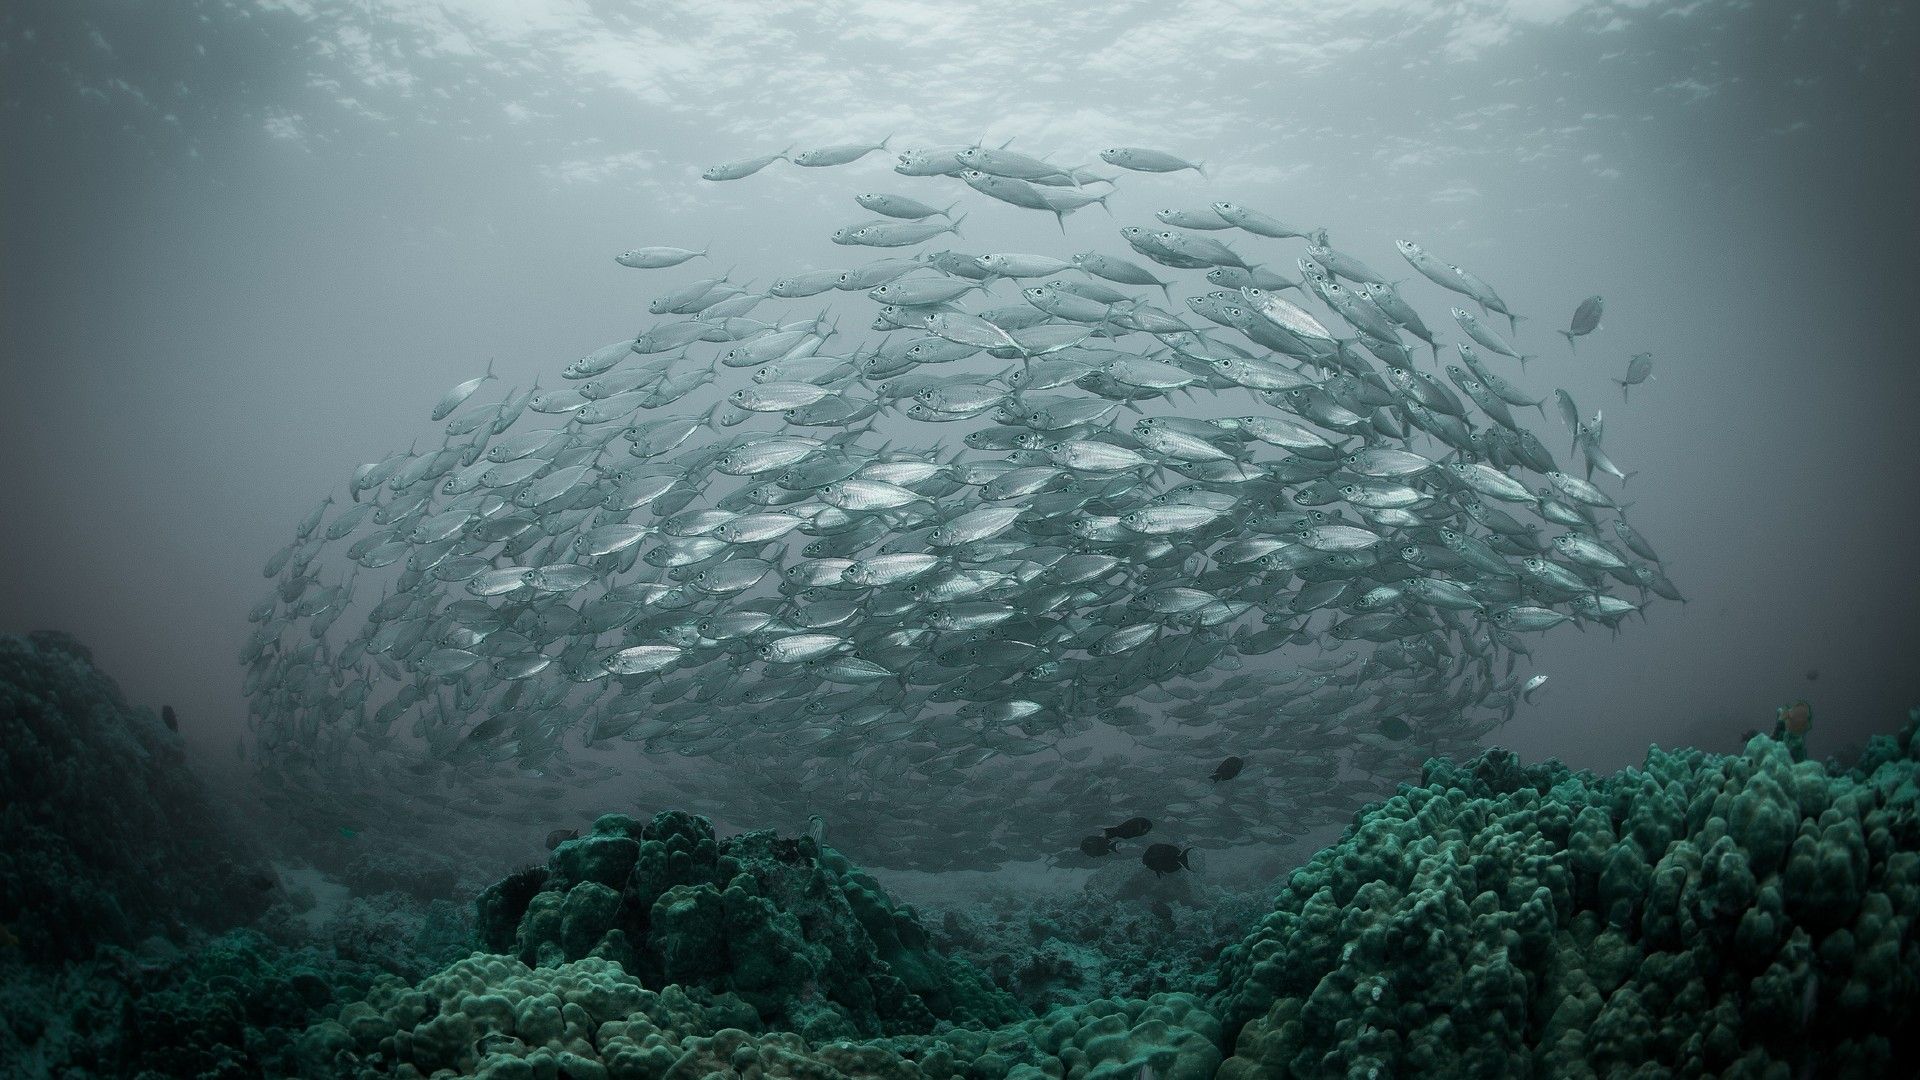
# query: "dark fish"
1228,769
1165,859
1128,829
1095,847
169,718
1796,719
1813,673
263,881
561,836
1161,910
1395,728
1586,319
1639,370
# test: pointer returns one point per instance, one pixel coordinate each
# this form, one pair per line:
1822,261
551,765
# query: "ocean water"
877,540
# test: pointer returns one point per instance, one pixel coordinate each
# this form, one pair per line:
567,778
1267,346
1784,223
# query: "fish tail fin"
1624,386
1060,219
1102,200
1513,322
1201,168
1623,483
947,213
955,227
489,374
1569,335
1524,357
884,143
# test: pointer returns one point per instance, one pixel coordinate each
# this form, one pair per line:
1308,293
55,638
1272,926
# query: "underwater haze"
606,487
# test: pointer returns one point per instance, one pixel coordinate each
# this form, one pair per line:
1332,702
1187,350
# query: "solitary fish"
737,169
656,258
1487,338
1140,159
899,206
823,156
1586,319
1095,847
1228,769
1639,370
459,394
1255,222
1165,859
1532,687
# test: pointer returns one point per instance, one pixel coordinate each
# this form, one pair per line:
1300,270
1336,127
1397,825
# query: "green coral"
812,943
493,1016
1744,914
105,835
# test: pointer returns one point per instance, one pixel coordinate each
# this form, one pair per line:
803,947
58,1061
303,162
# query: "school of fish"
1033,552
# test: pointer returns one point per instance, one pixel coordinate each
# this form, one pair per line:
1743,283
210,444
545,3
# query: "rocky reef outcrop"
106,837
813,944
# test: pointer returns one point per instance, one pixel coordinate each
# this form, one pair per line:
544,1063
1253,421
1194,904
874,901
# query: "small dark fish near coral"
1164,859
1128,829
1813,673
1228,769
1097,847
561,836
169,718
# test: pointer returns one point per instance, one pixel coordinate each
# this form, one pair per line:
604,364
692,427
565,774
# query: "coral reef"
1125,934
106,837
1747,915
813,944
394,933
495,1017
232,1006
